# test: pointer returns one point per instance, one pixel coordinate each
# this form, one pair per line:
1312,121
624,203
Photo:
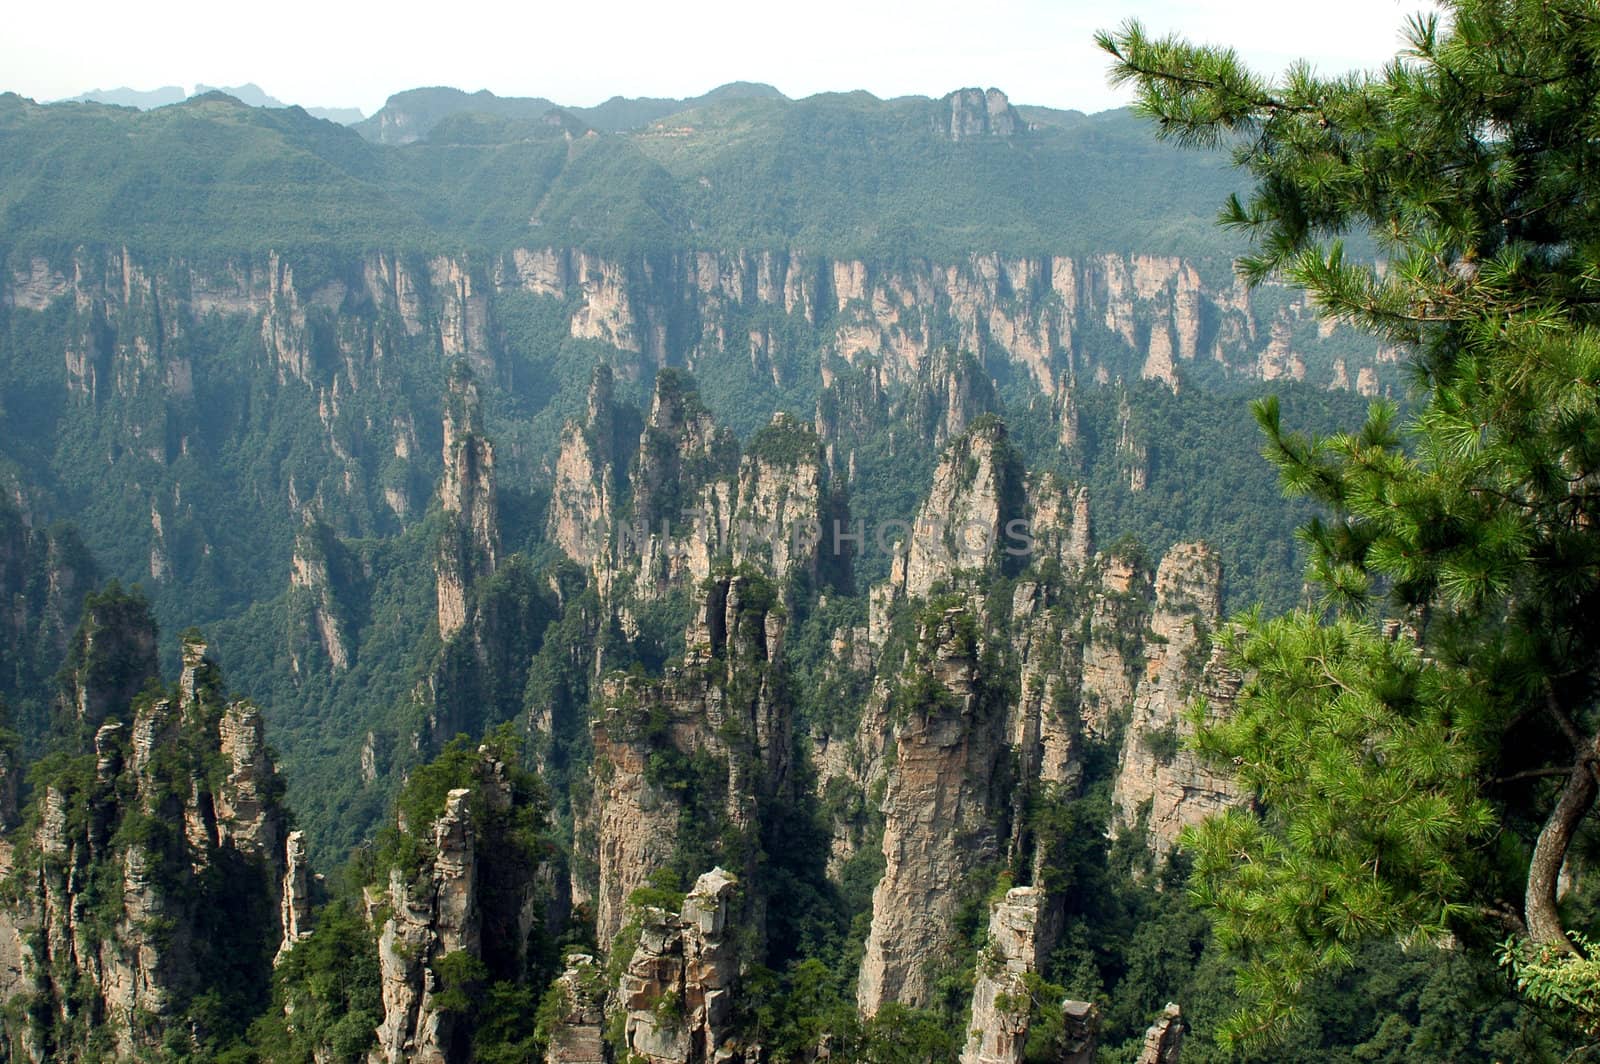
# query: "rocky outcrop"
590,471
682,489
1133,457
687,498
965,742
1160,783
433,915
44,574
1020,936
968,113
470,547
713,735
943,810
1080,1032
778,522
678,989
295,907
316,617
578,1036
156,879
1163,1042
952,390
455,905
112,655
1113,655
973,519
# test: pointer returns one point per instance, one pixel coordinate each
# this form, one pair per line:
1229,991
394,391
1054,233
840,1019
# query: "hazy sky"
329,53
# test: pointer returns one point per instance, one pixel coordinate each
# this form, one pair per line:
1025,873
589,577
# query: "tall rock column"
432,915
1020,934
1158,779
456,909
942,812
295,900
111,657
713,735
1163,1042
149,881
470,548
578,1037
588,476
678,988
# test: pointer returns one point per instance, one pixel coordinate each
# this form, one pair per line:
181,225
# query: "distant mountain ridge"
249,93
844,174
125,97
414,114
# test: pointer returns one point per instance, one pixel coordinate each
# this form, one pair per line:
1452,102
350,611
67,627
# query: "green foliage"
1162,744
1469,162
1380,830
460,976
43,582
330,983
784,444
1565,983
508,1018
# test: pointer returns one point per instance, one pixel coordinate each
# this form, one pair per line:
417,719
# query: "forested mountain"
607,512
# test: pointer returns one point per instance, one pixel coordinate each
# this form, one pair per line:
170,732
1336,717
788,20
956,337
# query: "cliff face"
943,811
678,990
688,760
337,338
1020,937
591,472
155,868
1160,784
464,901
976,493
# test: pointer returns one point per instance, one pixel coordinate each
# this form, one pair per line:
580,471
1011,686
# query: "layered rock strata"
164,868
1020,936
1160,782
712,735
678,989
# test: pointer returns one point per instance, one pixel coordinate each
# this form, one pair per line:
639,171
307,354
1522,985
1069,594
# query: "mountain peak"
973,112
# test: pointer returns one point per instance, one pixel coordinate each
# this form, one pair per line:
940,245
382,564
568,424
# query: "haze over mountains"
248,93
409,115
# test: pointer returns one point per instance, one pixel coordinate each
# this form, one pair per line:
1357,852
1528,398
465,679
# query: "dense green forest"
382,411
854,176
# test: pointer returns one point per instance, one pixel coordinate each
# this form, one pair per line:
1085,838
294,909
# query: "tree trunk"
1544,870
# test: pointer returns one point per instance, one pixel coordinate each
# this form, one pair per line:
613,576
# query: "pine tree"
1424,744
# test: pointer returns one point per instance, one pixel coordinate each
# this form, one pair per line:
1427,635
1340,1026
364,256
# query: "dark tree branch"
1532,773
1544,869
